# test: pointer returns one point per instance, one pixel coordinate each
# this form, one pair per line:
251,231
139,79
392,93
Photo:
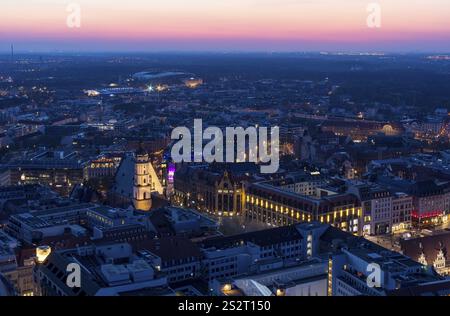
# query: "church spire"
142,200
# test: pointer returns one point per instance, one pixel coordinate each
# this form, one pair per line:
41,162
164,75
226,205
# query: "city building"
319,260
142,188
377,208
402,206
106,270
101,167
359,130
276,206
135,181
59,172
209,190
77,219
178,258
430,251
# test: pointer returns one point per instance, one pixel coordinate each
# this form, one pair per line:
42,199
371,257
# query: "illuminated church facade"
135,181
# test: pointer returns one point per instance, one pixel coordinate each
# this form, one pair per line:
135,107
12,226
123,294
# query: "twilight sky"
250,25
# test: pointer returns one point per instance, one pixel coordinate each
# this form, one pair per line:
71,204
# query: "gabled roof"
430,246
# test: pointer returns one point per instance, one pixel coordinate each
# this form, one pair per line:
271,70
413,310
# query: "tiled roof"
430,246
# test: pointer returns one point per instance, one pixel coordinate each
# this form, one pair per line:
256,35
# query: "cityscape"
218,168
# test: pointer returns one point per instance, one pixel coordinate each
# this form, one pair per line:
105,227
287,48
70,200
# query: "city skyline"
224,154
248,25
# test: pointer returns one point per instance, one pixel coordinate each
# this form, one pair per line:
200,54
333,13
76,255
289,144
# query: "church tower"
142,199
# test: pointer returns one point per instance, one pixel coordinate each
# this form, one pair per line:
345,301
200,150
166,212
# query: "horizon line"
221,51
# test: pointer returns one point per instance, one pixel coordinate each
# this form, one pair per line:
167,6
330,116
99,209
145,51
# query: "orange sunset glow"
238,24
